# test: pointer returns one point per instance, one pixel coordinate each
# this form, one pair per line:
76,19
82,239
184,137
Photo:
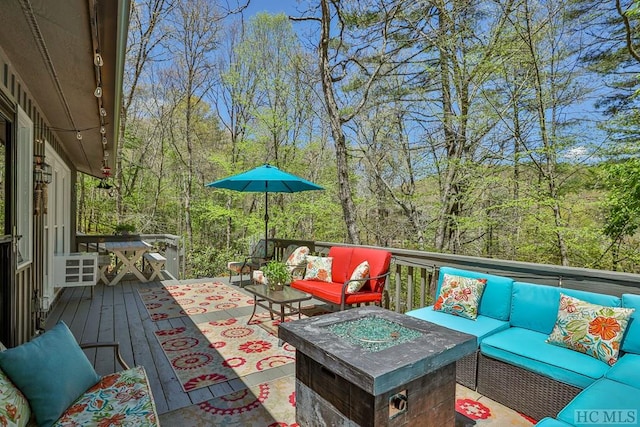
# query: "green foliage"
209,261
124,228
266,105
276,273
623,201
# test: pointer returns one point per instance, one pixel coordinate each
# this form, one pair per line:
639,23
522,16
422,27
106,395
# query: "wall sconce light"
41,170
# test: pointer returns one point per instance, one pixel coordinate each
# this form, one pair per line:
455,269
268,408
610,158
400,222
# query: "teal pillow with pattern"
593,329
460,296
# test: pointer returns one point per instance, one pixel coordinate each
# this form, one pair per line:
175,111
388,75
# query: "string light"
97,60
102,112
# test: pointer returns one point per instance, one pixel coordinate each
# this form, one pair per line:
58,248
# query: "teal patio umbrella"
265,179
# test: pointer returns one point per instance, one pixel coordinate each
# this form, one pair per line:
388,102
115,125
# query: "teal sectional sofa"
615,398
514,364
493,316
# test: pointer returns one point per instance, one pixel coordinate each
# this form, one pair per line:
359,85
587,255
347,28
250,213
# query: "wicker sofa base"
467,370
529,393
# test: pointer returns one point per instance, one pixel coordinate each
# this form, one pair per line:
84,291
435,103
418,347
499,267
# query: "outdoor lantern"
104,185
41,170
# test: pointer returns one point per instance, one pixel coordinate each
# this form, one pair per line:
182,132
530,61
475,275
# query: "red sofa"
345,260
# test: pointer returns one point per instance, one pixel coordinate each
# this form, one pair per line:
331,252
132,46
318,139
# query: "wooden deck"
117,314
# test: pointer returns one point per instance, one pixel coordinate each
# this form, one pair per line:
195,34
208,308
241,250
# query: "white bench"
156,261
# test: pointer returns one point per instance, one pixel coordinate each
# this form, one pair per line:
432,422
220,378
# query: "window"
24,193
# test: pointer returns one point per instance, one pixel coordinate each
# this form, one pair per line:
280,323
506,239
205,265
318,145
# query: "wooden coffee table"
286,298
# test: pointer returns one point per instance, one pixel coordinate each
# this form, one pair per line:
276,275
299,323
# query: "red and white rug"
272,404
268,404
208,353
170,301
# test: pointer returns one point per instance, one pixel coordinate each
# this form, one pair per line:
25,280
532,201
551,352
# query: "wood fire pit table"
373,367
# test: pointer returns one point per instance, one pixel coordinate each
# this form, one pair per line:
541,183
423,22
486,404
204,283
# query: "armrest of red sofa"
366,279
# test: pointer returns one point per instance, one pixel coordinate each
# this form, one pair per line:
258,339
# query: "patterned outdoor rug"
273,404
217,351
171,301
270,325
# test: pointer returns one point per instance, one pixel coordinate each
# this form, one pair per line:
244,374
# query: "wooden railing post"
398,296
409,288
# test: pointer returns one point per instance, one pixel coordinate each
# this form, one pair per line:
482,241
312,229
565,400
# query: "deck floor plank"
118,314
105,361
123,327
145,356
174,396
82,322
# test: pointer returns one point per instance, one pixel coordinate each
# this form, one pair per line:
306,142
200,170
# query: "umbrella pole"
266,223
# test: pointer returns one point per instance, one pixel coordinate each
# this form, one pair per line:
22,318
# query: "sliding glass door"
7,260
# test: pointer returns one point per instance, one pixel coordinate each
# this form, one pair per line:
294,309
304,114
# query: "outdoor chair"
294,257
253,261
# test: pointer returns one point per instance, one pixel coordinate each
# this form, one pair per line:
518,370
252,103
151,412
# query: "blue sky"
289,7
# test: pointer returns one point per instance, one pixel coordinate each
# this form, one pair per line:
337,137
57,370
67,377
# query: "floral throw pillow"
318,268
359,273
592,329
460,296
14,408
297,258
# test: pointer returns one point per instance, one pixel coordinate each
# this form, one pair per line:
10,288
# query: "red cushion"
379,261
332,292
340,271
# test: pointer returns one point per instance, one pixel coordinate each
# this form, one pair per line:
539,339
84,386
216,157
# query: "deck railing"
414,275
168,244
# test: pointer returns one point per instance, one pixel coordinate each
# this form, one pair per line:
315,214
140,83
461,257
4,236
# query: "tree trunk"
335,120
549,166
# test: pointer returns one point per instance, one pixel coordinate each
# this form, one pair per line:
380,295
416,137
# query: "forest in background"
502,128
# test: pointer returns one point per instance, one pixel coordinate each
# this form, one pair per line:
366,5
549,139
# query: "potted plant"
124,229
277,275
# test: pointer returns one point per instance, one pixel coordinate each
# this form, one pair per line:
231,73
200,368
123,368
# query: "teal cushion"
528,349
535,306
631,342
626,370
552,422
51,371
605,402
496,298
481,327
